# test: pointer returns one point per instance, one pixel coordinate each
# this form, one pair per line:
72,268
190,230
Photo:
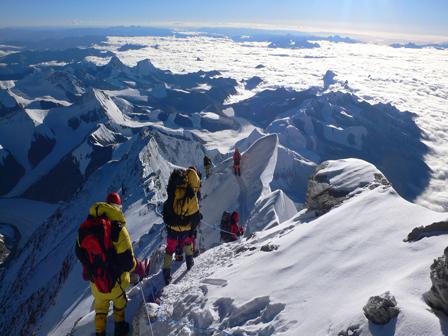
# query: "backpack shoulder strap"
115,230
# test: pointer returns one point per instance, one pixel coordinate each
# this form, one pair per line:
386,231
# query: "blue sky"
400,16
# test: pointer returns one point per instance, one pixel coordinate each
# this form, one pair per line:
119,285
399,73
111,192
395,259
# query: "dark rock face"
40,147
222,92
163,116
4,251
92,116
74,123
437,296
264,107
131,46
8,104
14,71
10,173
46,104
253,82
59,184
183,121
55,186
185,102
100,155
269,247
396,147
381,309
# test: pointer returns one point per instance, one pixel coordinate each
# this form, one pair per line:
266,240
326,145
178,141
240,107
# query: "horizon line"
362,34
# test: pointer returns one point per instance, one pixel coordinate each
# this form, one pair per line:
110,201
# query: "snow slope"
304,275
318,275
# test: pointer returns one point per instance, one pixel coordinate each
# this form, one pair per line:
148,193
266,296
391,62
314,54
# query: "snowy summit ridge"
327,180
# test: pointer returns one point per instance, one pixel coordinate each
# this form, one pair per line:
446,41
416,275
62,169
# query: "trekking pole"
146,309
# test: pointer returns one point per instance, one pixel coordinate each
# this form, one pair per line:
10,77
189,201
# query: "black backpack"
97,253
178,178
225,226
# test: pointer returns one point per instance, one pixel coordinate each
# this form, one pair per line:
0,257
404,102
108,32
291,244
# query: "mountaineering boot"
121,328
179,254
189,261
166,275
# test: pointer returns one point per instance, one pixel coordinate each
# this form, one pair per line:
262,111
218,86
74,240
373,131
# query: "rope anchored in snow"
215,227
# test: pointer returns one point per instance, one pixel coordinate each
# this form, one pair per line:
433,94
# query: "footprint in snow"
215,282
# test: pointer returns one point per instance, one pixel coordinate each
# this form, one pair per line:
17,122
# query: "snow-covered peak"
112,111
103,136
96,100
337,180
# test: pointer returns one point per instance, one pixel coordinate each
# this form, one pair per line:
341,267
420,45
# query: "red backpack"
97,253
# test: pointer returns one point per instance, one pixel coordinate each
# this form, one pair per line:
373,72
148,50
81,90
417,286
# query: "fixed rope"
215,227
146,309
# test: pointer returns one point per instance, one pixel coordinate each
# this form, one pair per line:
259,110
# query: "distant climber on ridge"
181,216
237,162
105,251
434,229
230,229
207,166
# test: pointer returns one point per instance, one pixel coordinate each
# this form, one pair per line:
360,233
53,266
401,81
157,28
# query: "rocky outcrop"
4,251
40,147
252,83
381,309
335,181
269,247
437,296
